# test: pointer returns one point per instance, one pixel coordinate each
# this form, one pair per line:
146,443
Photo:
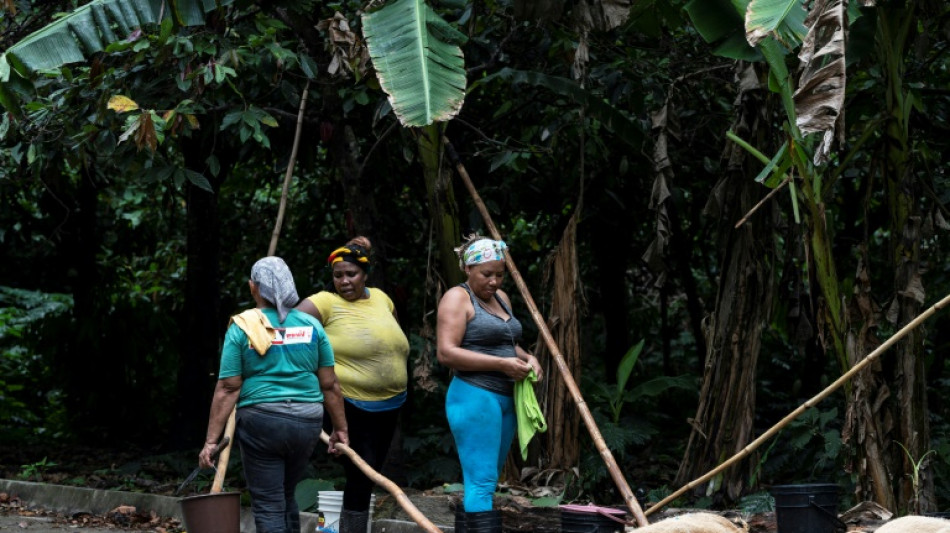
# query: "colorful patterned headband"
352,254
483,251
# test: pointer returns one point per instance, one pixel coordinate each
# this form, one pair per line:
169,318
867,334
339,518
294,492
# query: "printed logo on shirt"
295,335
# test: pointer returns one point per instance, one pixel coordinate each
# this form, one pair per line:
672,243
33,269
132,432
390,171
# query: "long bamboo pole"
552,346
387,484
810,403
289,172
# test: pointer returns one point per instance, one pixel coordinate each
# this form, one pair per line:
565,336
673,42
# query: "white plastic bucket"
329,507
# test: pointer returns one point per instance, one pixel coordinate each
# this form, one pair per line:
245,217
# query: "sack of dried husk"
694,523
916,524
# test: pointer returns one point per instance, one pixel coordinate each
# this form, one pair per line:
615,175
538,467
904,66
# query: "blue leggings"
483,424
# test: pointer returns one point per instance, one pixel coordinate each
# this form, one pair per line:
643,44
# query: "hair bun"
361,241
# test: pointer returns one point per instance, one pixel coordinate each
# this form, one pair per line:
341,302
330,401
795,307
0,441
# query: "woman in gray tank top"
478,337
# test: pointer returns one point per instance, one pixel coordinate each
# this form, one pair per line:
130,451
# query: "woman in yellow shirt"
371,351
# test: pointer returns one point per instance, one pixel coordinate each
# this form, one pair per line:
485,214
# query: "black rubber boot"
483,522
459,519
354,521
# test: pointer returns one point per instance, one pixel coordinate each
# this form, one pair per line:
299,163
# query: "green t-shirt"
370,348
287,371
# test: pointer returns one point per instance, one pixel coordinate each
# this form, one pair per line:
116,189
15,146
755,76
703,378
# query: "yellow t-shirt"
369,346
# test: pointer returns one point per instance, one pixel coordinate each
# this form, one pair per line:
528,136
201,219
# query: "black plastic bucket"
811,508
591,519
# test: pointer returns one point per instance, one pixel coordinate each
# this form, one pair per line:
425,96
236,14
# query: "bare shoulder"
454,296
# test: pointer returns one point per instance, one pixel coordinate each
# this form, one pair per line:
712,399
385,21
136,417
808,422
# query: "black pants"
370,435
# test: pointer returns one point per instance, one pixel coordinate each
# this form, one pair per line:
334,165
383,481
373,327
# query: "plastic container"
811,508
329,507
212,513
592,519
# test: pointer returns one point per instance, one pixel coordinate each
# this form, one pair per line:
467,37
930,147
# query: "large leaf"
720,23
418,61
92,27
767,17
820,96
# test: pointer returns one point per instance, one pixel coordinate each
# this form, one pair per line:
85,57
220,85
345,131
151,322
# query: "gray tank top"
491,335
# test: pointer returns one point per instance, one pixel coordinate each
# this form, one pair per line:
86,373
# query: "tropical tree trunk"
358,198
724,419
905,230
443,209
560,444
867,424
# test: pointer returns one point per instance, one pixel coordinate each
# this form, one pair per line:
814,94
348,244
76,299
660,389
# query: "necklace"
486,305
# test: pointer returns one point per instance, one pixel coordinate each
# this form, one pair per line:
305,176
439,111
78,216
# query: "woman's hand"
205,459
536,365
338,436
515,368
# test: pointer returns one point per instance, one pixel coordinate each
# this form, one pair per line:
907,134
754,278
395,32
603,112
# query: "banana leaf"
418,61
781,18
92,27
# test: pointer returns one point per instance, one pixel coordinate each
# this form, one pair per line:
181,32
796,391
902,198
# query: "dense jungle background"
719,207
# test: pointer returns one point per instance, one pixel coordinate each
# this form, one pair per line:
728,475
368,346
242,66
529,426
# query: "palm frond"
418,61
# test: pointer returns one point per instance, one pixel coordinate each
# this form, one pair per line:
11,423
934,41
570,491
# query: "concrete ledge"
72,500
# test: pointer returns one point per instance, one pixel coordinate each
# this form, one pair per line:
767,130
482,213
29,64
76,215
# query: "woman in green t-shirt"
277,369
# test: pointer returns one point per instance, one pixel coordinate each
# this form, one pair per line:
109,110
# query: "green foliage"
34,471
418,61
307,493
430,455
916,466
807,449
28,403
757,502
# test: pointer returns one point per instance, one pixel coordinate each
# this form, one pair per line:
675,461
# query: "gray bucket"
218,512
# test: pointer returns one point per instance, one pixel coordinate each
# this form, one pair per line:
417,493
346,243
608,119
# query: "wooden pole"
222,467
289,172
387,484
585,413
810,403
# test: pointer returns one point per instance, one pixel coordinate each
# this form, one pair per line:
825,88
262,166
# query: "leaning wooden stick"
222,467
552,346
810,403
387,484
289,172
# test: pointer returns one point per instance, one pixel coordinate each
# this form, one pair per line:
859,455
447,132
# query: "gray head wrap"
276,283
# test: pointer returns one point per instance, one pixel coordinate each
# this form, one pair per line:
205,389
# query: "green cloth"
530,418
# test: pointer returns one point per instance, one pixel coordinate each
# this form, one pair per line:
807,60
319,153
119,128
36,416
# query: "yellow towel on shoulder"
255,325
528,412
